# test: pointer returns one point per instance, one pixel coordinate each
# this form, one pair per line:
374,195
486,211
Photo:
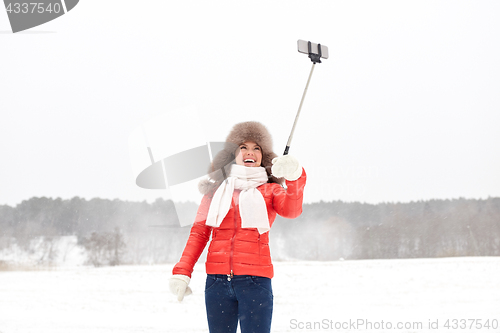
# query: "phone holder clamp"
315,58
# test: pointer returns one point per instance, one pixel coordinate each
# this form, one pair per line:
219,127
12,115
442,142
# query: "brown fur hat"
240,133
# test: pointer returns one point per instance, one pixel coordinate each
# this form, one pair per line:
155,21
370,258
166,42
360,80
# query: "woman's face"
249,154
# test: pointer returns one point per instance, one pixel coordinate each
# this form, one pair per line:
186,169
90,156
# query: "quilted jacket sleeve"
288,203
198,238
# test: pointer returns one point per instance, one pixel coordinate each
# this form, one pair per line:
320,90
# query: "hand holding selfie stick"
316,52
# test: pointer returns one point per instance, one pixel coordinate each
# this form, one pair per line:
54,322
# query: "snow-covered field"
342,296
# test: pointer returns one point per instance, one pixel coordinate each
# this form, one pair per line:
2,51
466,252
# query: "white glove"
286,166
179,286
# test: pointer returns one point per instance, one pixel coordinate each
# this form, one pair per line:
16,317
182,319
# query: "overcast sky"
407,107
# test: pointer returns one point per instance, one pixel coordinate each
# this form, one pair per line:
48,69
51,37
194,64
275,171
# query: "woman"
238,212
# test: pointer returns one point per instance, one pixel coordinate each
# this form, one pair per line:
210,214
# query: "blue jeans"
246,298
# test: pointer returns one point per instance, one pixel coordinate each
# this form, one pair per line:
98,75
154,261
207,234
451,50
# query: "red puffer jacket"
236,250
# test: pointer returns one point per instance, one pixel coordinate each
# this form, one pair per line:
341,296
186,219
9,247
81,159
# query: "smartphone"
303,47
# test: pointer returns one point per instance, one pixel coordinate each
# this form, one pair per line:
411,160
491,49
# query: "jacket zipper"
258,244
230,275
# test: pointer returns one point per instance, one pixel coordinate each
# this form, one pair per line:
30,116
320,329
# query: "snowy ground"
309,297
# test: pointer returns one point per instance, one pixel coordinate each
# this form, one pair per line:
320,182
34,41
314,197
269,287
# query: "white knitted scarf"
252,206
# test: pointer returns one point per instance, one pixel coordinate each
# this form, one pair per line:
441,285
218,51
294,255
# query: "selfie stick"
315,58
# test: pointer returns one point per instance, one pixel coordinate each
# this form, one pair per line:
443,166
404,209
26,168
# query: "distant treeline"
422,229
150,232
